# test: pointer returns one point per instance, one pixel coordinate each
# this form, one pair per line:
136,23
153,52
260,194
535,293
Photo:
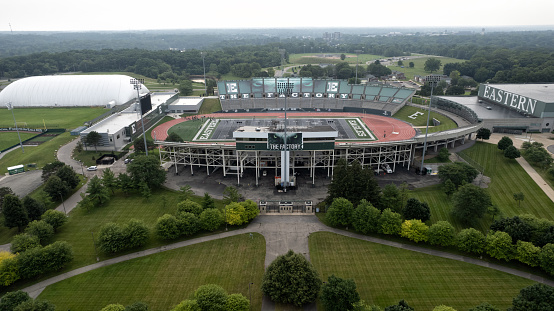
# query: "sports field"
65,118
8,139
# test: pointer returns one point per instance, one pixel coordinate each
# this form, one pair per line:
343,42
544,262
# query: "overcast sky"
65,15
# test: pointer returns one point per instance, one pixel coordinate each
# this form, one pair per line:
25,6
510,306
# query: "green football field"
67,118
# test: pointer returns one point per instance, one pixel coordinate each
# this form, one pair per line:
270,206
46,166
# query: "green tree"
484,307
546,258
504,143
188,223
432,64
458,173
499,245
208,201
189,206
365,218
444,154
527,253
114,307
449,187
470,240
211,219
416,210
41,229
109,180
111,238
414,230
340,212
237,302
391,198
185,87
443,308
138,144
483,133
54,218
137,306
211,297
136,233
411,64
9,271
519,197
342,57
390,222
36,305
339,294
231,194
187,305
511,152
68,176
167,227
174,137
442,233
290,278
34,208
251,210
14,213
23,242
401,306
125,183
56,188
97,192
93,139
3,192
185,193
354,183
12,299
535,297
235,214
470,203
147,169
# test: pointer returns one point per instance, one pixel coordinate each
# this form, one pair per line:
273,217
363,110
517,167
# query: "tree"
145,191
504,143
414,230
111,238
68,176
400,63
36,305
237,302
234,214
470,240
189,206
185,193
147,169
211,297
458,173
92,139
23,242
109,180
174,137
56,188
515,227
342,57
97,192
113,307
340,212
34,208
339,294
527,253
231,194
416,210
511,152
444,154
208,201
470,203
536,297
483,133
354,183
546,258
54,218
251,210
51,169
138,144
211,219
137,306
442,233
167,227
449,187
136,232
185,87
390,222
3,192
391,198
411,64
432,64
484,307
125,183
188,223
365,218
499,245
12,299
9,270
14,213
401,306
41,229
290,278
187,305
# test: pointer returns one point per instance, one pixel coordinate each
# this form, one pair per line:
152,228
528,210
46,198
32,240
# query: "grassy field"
508,177
8,139
314,58
186,130
210,105
419,64
384,275
67,118
163,280
421,119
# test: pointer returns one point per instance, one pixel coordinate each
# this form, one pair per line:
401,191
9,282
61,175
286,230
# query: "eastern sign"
516,101
276,141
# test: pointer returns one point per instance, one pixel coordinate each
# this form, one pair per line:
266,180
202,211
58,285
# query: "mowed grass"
8,139
186,130
315,59
507,178
210,105
66,118
384,275
165,279
421,119
419,65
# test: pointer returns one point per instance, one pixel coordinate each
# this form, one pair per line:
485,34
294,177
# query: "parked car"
385,167
92,168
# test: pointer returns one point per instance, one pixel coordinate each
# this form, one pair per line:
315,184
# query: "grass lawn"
384,275
210,105
41,155
67,118
186,130
8,139
313,58
421,119
419,64
165,279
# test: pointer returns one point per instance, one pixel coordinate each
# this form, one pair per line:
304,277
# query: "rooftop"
495,111
543,91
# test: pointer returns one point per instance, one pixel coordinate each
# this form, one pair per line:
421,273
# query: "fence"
50,131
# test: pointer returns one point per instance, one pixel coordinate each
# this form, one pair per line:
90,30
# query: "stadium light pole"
432,83
137,83
10,107
357,53
203,54
286,168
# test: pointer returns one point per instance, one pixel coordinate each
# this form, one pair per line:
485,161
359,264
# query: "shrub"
40,260
13,299
237,302
211,297
189,207
416,210
167,227
23,242
414,230
546,258
527,253
113,307
187,305
471,241
235,214
365,218
55,218
111,238
340,212
211,219
42,230
441,233
188,223
9,269
251,209
339,294
499,245
390,222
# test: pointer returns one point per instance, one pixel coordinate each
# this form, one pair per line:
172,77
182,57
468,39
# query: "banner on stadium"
276,141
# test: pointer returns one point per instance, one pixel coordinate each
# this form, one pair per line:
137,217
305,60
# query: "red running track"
385,128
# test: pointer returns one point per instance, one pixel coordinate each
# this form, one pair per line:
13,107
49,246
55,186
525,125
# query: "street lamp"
250,294
203,54
357,53
137,83
94,243
63,204
10,107
82,170
432,83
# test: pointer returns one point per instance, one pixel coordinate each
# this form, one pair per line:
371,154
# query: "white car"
92,168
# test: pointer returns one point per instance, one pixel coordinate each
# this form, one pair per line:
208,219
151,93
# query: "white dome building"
71,91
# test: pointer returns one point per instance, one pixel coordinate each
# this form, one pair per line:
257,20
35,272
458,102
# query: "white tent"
70,91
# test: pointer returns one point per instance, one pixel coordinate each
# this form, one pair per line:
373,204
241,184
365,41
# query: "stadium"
324,120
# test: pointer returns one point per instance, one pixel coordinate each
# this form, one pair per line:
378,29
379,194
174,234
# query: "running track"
381,126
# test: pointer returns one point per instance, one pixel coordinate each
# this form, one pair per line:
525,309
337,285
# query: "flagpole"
10,107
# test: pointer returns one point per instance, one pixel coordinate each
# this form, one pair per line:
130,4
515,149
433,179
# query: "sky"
124,15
